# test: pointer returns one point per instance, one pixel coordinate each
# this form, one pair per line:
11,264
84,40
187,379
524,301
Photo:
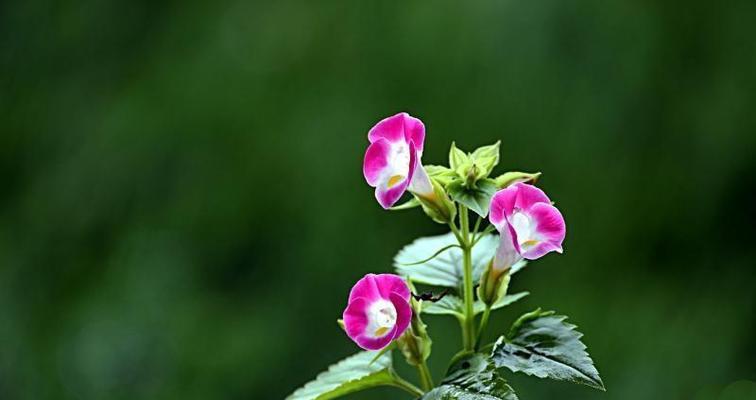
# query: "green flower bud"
415,344
509,178
493,284
485,159
437,205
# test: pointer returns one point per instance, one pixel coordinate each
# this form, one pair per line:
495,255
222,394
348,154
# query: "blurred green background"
183,212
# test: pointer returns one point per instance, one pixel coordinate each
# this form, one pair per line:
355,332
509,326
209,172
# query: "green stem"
408,387
426,380
483,325
456,232
468,329
475,229
484,232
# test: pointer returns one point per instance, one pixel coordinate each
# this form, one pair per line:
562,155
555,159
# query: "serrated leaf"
477,199
544,345
472,378
445,269
453,305
358,372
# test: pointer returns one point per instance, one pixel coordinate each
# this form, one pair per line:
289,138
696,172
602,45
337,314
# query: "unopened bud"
437,204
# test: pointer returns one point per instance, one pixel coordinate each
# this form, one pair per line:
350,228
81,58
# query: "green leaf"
501,303
453,305
509,178
448,305
486,158
446,268
441,174
476,198
458,159
411,203
472,377
358,372
544,345
380,353
518,266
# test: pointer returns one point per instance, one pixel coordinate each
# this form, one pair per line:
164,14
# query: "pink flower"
392,161
528,224
378,311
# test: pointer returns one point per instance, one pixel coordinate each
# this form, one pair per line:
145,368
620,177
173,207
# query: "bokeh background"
182,208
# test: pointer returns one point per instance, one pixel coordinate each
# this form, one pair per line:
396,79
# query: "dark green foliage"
544,345
476,198
472,378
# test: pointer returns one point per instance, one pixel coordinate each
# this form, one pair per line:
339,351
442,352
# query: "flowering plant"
384,312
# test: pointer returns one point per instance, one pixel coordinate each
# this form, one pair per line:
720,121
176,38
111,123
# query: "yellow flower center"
394,180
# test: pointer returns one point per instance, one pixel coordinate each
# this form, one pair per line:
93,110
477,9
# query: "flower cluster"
384,311
528,224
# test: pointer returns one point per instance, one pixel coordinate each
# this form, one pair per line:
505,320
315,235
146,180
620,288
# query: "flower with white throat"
378,310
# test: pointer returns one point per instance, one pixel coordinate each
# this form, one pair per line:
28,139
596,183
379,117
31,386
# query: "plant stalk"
406,386
483,325
426,380
468,329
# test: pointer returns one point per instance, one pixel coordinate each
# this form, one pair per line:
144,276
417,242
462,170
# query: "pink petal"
540,250
501,208
366,288
527,195
387,197
508,252
355,323
367,342
414,131
371,343
403,313
520,195
550,228
355,318
414,162
420,183
364,293
391,129
502,204
372,287
376,159
390,283
398,127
